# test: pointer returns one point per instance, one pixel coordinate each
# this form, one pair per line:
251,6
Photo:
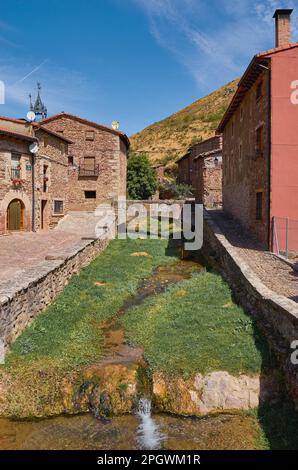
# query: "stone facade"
245,172
201,168
97,161
40,180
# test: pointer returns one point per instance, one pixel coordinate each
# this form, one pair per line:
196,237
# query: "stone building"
97,160
201,168
260,140
33,187
160,172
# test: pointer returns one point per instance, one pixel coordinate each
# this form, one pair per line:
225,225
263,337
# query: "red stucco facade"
260,148
284,145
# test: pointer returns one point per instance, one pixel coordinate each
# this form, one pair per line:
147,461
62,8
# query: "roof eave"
18,136
92,123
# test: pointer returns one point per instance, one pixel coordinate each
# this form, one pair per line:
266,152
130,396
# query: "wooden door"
15,215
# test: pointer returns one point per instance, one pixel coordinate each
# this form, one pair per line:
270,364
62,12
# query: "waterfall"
148,433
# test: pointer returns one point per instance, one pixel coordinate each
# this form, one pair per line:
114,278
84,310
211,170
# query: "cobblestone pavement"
273,272
22,251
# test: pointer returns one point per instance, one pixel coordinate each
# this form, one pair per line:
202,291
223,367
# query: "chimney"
282,27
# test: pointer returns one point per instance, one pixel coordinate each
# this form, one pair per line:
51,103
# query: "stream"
142,430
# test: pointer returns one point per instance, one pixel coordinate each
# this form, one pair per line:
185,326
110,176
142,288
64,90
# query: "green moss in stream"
195,327
69,332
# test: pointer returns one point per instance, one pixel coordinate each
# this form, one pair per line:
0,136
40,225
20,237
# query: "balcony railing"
15,173
87,171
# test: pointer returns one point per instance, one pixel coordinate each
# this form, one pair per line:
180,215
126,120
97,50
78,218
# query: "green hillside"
166,140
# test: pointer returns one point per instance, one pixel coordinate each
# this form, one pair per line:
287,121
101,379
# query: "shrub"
173,190
142,180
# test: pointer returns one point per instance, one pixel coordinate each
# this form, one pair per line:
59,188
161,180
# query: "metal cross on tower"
39,107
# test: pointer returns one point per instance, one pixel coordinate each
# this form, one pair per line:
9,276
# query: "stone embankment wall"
38,287
277,316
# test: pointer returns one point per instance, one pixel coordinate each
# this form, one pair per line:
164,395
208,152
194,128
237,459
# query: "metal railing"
86,171
285,236
15,173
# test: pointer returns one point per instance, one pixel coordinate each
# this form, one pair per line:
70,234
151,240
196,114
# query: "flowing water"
116,350
141,430
149,435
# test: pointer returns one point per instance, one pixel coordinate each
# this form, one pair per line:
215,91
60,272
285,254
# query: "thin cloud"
32,72
62,88
266,9
205,46
6,28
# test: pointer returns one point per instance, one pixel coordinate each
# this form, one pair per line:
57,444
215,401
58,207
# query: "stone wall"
245,170
277,316
25,298
8,191
109,153
52,155
201,168
208,182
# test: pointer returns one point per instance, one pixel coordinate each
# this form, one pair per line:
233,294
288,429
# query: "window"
90,194
45,141
89,135
259,142
70,161
259,206
15,166
58,207
259,92
88,167
89,162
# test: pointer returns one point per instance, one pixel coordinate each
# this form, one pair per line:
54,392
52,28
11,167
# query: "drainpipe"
270,237
33,192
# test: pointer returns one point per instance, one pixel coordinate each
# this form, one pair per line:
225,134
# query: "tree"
141,177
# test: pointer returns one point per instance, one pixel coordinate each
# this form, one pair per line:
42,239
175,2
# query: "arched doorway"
15,215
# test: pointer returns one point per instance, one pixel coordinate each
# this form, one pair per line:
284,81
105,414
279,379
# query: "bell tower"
39,107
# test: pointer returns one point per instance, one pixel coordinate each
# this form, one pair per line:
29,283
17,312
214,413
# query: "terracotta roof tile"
18,135
37,125
86,121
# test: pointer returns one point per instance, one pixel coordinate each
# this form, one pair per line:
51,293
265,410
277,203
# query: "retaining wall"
277,316
23,299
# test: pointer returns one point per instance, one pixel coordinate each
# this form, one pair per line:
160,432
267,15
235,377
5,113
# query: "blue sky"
136,61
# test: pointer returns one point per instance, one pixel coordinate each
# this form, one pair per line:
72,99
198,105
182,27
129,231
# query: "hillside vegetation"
167,140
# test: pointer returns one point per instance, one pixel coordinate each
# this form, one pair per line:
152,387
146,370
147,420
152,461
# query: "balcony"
15,173
86,171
